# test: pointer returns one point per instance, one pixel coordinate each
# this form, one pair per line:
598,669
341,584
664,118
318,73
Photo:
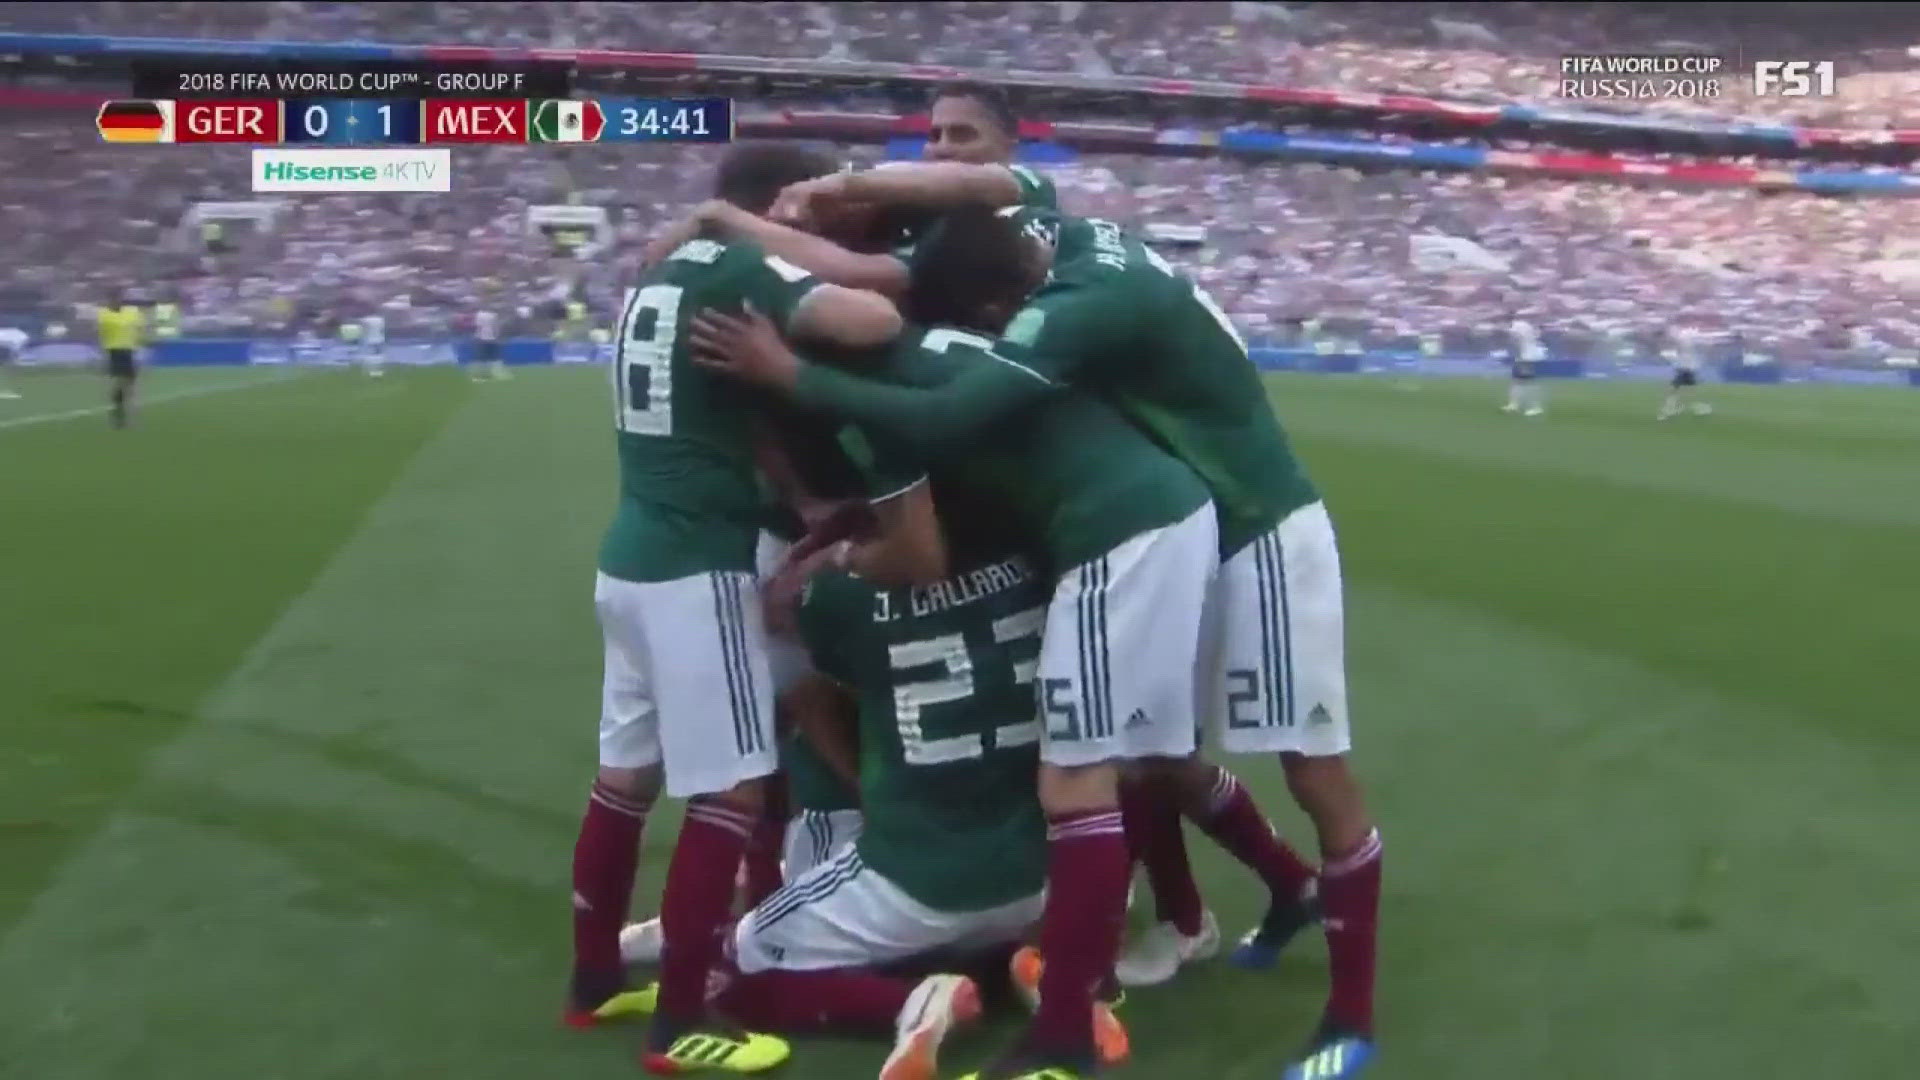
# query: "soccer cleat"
620,1005
641,942
935,1007
714,1049
1260,949
1333,1056
1034,1064
1158,954
1534,410
1109,1034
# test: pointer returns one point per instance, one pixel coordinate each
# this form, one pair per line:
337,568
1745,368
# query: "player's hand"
780,600
800,204
745,347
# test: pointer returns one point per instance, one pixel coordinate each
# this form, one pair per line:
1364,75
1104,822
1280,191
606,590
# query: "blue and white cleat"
1338,1057
1260,949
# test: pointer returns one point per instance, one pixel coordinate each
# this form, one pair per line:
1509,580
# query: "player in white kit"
13,342
1524,353
373,345
487,363
1686,355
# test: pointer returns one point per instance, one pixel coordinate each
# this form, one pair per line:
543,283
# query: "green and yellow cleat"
622,1005
717,1051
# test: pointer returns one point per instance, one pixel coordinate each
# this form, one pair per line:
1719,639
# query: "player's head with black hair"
752,174
972,122
974,269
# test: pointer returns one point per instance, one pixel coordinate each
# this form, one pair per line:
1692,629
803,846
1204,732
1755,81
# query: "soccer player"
954,854
373,345
1524,352
970,162
687,701
487,363
1115,318
13,341
1133,533
1686,376
122,332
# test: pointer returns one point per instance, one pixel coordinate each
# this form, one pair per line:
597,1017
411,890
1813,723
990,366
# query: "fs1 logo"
1792,78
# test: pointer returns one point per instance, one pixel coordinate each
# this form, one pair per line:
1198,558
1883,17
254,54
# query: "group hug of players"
1036,536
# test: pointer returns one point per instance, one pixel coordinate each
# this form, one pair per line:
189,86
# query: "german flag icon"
136,121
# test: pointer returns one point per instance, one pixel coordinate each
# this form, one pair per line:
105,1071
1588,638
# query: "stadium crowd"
1378,256
1480,51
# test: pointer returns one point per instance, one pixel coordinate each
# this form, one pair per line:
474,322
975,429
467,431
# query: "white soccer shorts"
786,656
813,836
1119,655
1274,674
686,682
843,914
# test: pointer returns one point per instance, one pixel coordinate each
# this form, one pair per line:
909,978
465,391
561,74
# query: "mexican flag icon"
567,121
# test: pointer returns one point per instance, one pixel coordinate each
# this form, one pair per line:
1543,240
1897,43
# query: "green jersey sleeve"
831,608
930,418
1059,336
770,283
1035,190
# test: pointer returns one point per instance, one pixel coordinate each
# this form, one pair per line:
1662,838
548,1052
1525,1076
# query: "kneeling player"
953,855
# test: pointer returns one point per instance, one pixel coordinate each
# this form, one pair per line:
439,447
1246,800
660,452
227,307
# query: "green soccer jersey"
690,498
1114,319
1069,471
949,743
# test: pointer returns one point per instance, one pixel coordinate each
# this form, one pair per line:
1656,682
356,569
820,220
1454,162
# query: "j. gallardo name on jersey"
952,593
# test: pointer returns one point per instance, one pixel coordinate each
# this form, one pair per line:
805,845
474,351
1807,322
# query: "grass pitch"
300,678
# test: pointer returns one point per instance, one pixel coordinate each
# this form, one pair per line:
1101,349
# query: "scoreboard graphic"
375,122
368,126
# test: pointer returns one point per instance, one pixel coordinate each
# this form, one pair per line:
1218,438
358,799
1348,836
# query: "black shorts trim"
120,364
1685,378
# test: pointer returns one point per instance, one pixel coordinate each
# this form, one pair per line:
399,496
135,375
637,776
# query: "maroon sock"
1237,825
1158,841
1080,927
763,876
604,858
836,1001
696,904
1350,901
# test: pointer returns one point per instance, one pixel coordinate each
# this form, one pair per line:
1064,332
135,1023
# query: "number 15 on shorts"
1058,706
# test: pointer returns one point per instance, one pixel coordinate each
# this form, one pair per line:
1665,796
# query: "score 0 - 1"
353,121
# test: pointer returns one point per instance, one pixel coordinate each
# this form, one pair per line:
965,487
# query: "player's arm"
830,616
824,716
905,544
906,547
808,308
929,184
986,388
825,259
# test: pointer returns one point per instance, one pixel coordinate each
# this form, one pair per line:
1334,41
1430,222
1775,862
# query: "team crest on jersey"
1025,327
1045,230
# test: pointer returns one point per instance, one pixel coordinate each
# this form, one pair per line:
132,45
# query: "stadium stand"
1477,51
1373,257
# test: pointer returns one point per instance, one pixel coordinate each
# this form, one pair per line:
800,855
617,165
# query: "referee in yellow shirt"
122,329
